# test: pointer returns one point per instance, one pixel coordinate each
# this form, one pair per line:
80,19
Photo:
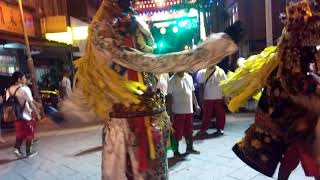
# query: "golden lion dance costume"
280,71
114,82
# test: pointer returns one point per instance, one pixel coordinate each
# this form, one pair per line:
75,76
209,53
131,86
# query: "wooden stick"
30,60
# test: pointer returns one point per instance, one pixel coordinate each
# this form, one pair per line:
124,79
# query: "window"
233,12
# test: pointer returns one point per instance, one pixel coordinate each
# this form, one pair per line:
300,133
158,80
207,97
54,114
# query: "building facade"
47,21
252,14
85,10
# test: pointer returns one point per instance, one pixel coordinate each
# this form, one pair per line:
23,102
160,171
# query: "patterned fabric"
120,146
206,55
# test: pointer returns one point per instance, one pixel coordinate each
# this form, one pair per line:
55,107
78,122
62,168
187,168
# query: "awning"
7,37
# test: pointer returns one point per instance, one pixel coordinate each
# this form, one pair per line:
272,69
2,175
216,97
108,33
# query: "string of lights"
153,6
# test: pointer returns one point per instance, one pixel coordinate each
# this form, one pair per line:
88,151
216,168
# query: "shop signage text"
10,19
7,60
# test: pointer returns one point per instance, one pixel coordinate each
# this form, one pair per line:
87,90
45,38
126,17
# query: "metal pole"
199,3
30,60
269,33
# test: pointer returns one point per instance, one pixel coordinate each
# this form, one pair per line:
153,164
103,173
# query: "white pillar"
269,33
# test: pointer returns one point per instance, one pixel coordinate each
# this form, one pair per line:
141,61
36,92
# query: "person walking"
213,100
27,84
1,138
23,125
181,99
66,84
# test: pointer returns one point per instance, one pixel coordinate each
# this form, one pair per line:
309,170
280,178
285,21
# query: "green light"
175,29
161,45
183,23
163,30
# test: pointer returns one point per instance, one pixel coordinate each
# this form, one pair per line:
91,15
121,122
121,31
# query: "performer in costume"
307,154
115,82
282,72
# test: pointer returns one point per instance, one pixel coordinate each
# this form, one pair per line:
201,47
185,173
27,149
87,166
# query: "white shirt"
66,83
163,84
181,90
212,90
24,96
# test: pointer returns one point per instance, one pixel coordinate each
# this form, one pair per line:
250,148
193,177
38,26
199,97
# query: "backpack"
12,109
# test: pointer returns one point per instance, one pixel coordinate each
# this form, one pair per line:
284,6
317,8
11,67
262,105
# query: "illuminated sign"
53,24
186,23
10,20
7,64
62,37
6,60
80,33
68,37
165,15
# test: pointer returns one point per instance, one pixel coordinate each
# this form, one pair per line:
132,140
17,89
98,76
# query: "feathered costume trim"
250,78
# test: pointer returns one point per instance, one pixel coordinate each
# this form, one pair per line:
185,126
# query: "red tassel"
141,134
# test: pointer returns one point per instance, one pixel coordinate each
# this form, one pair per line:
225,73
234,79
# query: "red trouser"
34,121
24,129
183,126
299,153
216,106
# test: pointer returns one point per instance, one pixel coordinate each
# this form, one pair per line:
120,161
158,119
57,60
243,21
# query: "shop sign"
74,35
7,60
10,19
8,64
54,24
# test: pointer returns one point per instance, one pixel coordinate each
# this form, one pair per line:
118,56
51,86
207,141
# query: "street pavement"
76,155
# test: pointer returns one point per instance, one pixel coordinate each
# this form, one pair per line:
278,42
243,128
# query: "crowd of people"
183,105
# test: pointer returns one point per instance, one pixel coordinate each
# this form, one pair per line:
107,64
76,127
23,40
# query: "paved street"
76,156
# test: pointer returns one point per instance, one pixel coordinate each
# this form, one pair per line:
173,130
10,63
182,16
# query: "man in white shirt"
24,125
181,99
213,100
162,85
27,84
66,85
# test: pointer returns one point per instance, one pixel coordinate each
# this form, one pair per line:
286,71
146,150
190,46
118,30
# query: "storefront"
11,29
46,54
8,62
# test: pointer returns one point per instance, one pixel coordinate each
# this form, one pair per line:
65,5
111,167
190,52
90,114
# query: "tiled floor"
57,160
